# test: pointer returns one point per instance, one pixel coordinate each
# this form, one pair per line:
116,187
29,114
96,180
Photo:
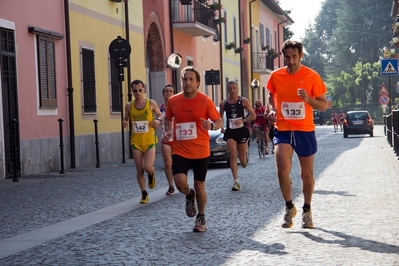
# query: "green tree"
287,33
363,24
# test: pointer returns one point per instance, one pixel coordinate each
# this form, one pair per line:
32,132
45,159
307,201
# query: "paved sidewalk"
91,216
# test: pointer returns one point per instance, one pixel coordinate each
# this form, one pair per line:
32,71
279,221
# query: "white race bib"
140,126
185,131
293,110
233,124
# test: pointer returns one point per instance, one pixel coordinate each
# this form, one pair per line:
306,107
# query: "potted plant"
266,47
219,20
230,45
238,50
215,6
247,40
273,54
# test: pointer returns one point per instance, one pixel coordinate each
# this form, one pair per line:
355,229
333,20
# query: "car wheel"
371,134
345,134
228,163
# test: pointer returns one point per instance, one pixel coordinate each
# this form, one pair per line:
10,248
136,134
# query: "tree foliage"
340,24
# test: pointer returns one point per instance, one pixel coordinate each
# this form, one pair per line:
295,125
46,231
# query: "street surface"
92,216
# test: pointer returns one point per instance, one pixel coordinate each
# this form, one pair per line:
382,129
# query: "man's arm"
319,103
221,110
247,105
155,109
217,124
272,112
127,115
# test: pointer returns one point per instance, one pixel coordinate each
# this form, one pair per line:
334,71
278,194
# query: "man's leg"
307,188
167,159
201,195
256,131
283,155
242,153
307,177
149,159
181,183
232,146
138,161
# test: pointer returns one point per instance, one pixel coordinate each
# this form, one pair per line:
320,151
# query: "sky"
303,12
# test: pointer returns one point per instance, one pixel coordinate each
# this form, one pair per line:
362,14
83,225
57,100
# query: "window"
268,42
47,81
262,34
116,105
88,81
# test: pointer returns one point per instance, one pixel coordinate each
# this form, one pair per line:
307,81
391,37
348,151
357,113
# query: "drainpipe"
129,74
251,50
241,44
70,88
127,29
278,34
172,46
222,85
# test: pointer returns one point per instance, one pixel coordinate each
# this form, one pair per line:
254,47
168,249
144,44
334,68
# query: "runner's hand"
206,124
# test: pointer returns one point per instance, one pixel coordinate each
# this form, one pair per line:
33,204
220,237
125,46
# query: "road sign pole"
389,89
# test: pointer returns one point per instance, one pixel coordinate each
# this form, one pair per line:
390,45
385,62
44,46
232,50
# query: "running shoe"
200,225
170,191
152,182
288,216
144,198
191,209
236,186
244,163
307,221
267,151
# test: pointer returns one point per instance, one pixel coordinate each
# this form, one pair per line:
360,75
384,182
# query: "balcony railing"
196,19
262,63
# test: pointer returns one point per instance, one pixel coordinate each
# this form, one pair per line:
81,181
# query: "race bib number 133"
293,111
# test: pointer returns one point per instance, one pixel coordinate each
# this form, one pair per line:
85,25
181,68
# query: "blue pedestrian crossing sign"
389,67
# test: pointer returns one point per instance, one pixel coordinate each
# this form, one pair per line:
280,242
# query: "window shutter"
47,80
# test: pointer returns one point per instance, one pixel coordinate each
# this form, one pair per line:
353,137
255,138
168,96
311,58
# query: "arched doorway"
155,63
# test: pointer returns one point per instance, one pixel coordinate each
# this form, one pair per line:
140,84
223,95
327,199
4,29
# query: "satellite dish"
174,61
255,84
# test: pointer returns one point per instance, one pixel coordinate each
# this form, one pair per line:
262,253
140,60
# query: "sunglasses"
138,90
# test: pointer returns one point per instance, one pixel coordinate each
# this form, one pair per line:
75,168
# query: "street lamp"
352,49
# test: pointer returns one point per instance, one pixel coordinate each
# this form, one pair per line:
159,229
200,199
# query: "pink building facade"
34,86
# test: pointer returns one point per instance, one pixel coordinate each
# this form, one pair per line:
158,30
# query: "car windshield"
357,116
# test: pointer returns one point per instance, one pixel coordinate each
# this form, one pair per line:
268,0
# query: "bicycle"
261,142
